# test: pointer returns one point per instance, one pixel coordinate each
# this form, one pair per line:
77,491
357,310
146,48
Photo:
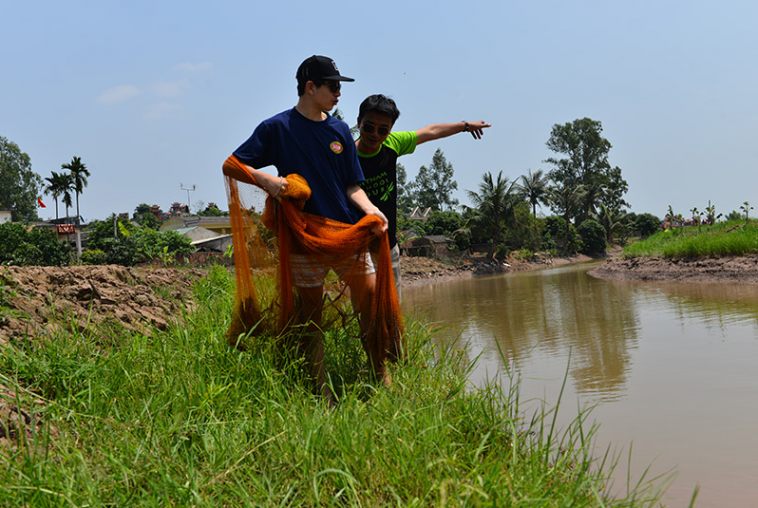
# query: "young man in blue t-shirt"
308,141
378,150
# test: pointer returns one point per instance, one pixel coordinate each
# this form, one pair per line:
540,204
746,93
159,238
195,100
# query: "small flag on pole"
40,203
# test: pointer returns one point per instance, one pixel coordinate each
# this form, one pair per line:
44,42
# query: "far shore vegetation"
584,192
735,237
180,419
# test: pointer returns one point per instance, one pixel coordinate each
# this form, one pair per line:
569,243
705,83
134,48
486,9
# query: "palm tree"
493,203
67,186
746,210
534,187
56,184
613,221
567,200
79,174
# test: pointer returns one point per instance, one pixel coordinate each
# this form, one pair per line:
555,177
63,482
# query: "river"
669,369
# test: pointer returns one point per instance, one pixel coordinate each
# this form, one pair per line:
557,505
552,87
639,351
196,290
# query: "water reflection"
540,313
715,305
548,313
670,367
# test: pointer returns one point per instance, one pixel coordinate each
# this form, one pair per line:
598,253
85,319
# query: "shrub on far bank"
593,237
561,236
646,224
442,223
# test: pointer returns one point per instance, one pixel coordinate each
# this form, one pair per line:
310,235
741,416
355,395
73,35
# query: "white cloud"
116,94
161,110
193,67
170,88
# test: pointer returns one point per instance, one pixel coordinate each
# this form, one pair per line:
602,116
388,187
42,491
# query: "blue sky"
152,95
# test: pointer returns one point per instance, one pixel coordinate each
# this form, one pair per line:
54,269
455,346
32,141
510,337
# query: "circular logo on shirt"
336,147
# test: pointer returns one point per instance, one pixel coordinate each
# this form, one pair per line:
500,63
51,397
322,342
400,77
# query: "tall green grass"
180,419
733,238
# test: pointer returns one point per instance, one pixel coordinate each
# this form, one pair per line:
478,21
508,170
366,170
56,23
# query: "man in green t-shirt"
379,148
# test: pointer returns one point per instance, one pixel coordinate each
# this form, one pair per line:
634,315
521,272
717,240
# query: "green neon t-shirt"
380,173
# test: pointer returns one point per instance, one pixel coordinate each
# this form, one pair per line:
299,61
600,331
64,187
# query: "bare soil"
737,269
38,300
417,271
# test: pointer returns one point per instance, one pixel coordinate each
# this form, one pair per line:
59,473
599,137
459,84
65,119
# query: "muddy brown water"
669,369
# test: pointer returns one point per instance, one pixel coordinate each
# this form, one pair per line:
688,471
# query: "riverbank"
728,269
419,271
176,417
725,252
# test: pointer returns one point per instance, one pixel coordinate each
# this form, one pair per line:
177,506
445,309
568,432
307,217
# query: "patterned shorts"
308,272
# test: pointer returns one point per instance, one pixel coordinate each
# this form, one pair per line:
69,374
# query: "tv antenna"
188,189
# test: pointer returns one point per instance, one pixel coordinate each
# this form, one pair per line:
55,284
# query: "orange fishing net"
324,239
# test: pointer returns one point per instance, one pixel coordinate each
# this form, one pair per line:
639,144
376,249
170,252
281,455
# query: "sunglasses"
369,128
334,86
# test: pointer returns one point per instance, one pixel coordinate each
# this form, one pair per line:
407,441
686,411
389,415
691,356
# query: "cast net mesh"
264,243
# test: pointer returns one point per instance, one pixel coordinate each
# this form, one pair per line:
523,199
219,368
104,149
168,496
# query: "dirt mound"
416,270
741,269
38,301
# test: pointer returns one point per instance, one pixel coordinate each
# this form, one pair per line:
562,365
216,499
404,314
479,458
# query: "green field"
733,238
179,419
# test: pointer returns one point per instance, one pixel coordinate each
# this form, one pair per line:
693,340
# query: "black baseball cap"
319,68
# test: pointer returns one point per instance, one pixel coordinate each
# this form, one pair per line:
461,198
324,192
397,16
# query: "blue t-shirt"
323,153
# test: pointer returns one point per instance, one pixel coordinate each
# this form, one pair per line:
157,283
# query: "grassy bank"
180,419
733,238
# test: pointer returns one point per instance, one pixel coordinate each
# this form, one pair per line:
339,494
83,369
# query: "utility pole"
188,189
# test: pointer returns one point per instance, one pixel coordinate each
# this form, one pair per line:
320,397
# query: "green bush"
523,229
134,244
176,244
646,224
94,257
523,254
11,237
593,237
442,223
40,247
501,252
561,236
462,239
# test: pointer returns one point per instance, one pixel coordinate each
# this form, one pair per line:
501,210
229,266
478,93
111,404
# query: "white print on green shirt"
379,186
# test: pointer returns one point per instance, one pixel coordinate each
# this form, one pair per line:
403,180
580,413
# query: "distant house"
206,240
178,210
219,225
431,246
67,220
158,213
420,213
5,216
195,233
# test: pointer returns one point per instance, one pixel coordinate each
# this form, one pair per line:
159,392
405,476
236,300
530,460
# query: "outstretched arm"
443,130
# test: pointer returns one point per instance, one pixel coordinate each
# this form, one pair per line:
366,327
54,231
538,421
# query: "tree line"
581,187
21,187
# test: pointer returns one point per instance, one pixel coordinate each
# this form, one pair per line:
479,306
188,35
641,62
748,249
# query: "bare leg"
362,291
311,343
